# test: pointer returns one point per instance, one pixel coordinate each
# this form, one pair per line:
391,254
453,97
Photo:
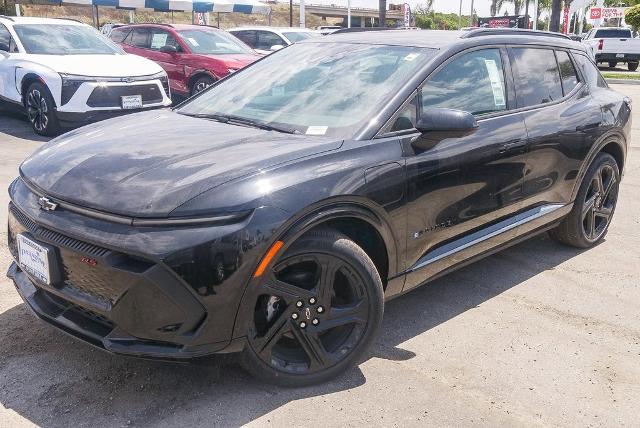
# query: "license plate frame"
35,258
619,55
131,102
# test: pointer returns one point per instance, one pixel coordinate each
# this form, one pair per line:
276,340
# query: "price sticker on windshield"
317,130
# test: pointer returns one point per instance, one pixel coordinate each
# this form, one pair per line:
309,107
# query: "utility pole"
460,16
535,15
348,13
302,20
382,13
290,13
471,15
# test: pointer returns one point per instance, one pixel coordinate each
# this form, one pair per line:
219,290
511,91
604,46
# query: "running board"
484,234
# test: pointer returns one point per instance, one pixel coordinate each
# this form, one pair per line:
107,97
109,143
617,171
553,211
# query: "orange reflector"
267,258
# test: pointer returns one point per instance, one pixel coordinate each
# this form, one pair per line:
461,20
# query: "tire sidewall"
358,260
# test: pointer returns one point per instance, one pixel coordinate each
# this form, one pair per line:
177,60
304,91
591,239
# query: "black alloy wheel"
318,309
201,84
589,220
41,110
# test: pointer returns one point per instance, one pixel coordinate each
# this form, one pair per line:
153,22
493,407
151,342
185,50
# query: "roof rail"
479,32
10,18
361,29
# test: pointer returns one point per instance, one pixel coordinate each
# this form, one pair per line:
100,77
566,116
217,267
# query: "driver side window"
472,82
7,43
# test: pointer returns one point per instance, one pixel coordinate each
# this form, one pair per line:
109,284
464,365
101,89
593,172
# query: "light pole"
348,13
460,16
302,23
471,15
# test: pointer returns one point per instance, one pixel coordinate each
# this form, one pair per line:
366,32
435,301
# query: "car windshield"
63,39
213,42
613,34
296,36
331,89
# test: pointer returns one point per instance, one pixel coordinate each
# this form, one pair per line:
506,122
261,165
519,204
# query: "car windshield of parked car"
61,39
332,89
213,42
614,34
296,36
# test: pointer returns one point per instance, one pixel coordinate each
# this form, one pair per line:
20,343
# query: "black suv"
274,213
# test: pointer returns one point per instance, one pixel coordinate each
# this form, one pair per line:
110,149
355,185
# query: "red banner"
565,25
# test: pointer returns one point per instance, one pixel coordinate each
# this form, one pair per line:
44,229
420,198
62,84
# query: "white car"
265,40
614,45
61,72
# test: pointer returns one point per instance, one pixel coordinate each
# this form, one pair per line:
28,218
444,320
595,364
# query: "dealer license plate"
34,259
619,55
131,101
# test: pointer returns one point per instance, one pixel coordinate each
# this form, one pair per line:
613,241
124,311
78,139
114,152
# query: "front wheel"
317,310
589,220
41,110
200,84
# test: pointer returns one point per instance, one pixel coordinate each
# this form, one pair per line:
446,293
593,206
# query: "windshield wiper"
238,120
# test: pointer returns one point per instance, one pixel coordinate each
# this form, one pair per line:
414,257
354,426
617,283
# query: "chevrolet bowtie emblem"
47,204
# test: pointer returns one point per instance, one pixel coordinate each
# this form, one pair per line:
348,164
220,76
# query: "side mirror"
169,49
437,124
276,48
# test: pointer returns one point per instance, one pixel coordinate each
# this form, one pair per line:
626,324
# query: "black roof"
440,39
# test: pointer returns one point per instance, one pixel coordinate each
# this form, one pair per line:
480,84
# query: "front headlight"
164,79
70,85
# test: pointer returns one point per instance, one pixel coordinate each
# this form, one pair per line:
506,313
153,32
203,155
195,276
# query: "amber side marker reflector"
267,258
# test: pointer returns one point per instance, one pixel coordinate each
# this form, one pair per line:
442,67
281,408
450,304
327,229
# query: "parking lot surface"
539,334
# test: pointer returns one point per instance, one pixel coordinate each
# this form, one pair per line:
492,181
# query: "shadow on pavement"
53,380
16,124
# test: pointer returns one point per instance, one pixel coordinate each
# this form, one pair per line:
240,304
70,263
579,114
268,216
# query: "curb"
623,81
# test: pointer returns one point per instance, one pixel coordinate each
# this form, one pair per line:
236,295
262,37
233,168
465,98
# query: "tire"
612,64
589,220
41,110
292,349
200,84
632,66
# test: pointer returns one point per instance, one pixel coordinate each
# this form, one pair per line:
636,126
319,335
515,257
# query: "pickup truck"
614,45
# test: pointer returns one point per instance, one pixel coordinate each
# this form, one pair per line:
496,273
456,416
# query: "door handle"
513,145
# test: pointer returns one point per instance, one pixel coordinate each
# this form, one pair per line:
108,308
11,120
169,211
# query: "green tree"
632,17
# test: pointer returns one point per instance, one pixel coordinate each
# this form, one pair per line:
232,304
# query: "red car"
193,56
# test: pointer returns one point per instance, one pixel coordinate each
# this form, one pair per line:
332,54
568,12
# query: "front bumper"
145,292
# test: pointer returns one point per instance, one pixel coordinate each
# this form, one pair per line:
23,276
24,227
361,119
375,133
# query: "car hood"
150,163
98,65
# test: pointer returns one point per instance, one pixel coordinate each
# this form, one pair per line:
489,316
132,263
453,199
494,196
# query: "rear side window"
119,34
567,72
590,72
247,36
537,77
472,82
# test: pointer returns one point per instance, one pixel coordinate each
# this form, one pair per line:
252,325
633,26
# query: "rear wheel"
317,311
41,110
200,84
632,66
589,220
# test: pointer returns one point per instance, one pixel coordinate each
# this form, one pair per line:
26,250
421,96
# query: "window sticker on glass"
159,40
193,41
496,83
317,130
411,57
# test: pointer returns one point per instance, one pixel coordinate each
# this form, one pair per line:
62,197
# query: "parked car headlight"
70,85
164,79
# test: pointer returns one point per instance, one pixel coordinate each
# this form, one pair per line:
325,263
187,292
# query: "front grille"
109,96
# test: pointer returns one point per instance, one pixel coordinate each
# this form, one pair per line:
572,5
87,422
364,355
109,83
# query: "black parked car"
274,213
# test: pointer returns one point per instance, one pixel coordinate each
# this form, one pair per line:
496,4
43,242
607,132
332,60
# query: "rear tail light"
600,44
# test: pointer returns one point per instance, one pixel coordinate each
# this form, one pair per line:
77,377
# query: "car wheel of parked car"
612,64
200,84
589,220
41,110
317,311
632,66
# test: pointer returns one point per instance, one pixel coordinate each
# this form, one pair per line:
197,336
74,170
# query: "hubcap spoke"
328,269
339,316
589,205
265,344
289,292
313,347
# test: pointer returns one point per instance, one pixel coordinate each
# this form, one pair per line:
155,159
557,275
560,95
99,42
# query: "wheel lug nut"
312,300
303,324
320,309
294,316
315,321
299,303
